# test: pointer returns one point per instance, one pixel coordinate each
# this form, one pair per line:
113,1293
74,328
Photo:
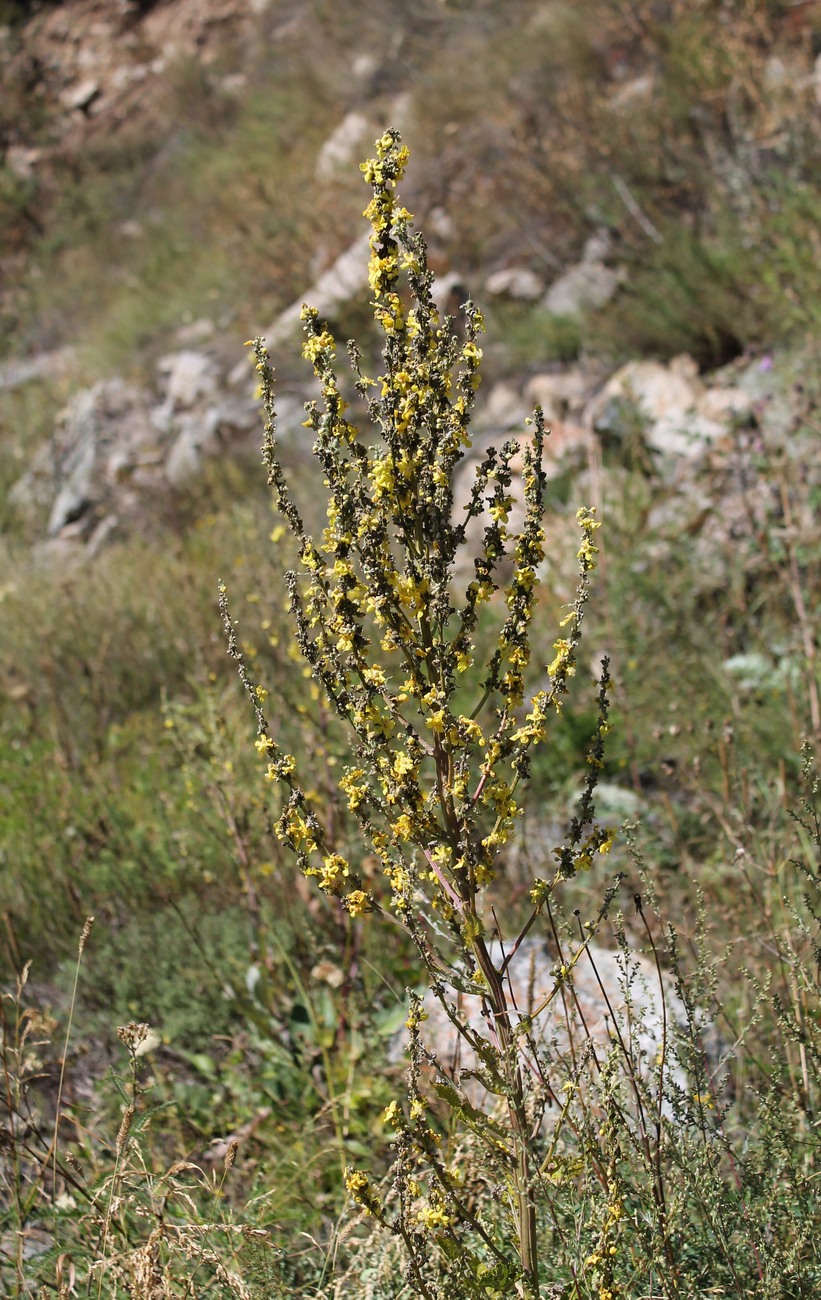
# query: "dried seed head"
84,936
133,1035
73,1163
125,1128
230,1155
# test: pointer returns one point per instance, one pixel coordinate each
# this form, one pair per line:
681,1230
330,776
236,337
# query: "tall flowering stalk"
435,787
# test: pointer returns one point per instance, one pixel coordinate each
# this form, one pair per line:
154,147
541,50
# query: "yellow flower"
357,903
392,1115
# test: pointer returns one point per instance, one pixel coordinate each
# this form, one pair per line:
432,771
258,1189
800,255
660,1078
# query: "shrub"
436,778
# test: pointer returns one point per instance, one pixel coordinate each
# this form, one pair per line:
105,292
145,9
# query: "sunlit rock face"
608,1010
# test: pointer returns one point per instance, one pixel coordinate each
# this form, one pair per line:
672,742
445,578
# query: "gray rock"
79,98
44,365
22,160
501,410
102,435
633,93
196,331
184,463
347,277
559,395
515,282
589,284
99,436
201,434
614,803
343,145
188,377
667,399
613,997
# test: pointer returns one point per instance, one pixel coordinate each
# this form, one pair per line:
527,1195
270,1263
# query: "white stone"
502,409
667,398
586,285
343,145
634,1005
44,365
515,282
196,331
20,160
80,97
344,280
632,93
184,463
724,404
188,377
556,394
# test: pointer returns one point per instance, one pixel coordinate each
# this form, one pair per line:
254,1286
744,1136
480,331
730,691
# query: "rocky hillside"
630,192
666,215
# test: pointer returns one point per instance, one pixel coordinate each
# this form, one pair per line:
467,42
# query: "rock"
344,280
449,292
614,803
76,494
613,994
501,410
201,434
589,284
515,282
585,286
188,377
666,399
290,409
633,93
343,145
22,160
102,435
440,225
79,98
557,394
724,404
767,391
196,331
45,365
184,463
365,65
756,672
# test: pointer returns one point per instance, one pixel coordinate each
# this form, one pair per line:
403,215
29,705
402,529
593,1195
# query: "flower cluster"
434,789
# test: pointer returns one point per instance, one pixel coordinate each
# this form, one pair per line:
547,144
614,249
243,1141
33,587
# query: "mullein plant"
435,784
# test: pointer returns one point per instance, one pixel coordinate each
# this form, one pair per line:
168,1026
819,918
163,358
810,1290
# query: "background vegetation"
128,780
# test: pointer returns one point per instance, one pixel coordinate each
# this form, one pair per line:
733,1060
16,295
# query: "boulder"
587,285
343,145
188,376
114,452
99,437
204,433
679,417
607,1001
560,395
515,282
347,277
43,365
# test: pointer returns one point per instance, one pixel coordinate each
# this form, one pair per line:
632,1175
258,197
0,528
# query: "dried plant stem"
80,950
